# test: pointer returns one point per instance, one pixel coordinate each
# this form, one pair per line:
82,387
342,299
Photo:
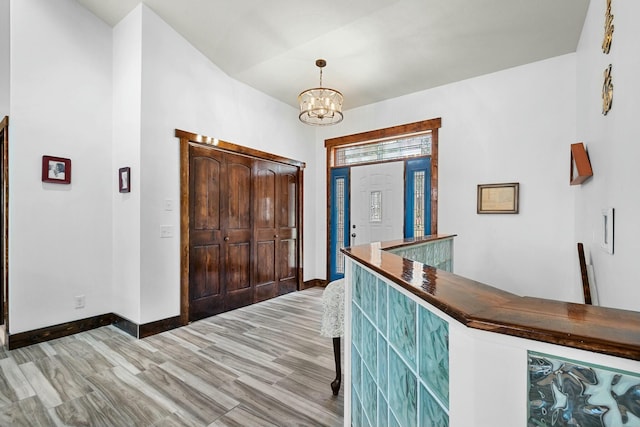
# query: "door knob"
226,238
275,236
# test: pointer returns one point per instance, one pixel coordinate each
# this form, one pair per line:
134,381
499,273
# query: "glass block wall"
437,254
399,358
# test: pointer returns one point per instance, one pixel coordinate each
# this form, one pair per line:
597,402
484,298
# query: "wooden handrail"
477,305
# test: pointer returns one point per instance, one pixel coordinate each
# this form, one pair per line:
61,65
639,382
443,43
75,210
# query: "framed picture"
56,170
124,180
498,198
607,230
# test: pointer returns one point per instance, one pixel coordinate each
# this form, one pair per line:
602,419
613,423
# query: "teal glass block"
434,354
369,397
382,365
368,292
402,325
383,411
357,284
356,411
393,422
356,371
382,307
436,254
369,351
356,326
431,413
403,391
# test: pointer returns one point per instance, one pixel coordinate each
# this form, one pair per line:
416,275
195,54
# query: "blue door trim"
411,167
336,174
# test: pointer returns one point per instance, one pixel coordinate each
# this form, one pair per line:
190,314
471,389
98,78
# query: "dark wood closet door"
287,229
240,226
206,237
266,232
238,231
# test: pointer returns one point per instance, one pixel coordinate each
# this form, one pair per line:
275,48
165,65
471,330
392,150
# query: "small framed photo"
498,198
607,230
56,170
124,180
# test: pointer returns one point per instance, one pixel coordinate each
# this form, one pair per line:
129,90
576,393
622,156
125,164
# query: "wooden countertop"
480,306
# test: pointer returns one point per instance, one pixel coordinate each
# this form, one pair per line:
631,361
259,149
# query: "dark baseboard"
313,282
36,336
127,326
148,329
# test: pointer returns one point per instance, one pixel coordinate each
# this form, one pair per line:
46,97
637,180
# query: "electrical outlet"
166,231
79,301
168,205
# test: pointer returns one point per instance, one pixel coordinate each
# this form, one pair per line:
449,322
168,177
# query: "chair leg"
335,385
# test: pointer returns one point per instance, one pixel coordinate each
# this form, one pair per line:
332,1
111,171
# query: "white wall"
60,235
75,77
127,94
511,126
182,89
108,99
4,58
612,143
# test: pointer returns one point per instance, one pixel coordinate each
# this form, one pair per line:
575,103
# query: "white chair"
333,323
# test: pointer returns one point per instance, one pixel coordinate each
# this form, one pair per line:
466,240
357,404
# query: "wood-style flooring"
262,365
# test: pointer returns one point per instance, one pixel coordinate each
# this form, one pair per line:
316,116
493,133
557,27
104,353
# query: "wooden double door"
243,230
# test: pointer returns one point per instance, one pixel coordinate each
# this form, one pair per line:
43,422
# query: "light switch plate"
166,231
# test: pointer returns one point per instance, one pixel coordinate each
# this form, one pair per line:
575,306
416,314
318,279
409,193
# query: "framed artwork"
56,170
498,198
124,180
606,242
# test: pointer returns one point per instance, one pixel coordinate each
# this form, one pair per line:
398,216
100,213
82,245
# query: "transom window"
384,150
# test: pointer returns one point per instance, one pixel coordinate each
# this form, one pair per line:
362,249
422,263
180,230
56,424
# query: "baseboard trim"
313,282
152,328
36,336
48,333
126,325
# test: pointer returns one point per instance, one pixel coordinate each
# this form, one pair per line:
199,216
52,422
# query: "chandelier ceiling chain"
320,106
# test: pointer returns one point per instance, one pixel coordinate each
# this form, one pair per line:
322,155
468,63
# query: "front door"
377,201
380,202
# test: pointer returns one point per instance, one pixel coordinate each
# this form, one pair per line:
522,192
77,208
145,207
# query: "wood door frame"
188,139
4,298
375,135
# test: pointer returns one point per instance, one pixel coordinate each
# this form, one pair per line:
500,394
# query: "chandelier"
320,106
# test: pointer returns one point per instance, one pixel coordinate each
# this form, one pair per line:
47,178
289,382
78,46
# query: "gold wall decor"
608,29
607,91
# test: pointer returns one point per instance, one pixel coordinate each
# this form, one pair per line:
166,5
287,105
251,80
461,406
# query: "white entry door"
377,202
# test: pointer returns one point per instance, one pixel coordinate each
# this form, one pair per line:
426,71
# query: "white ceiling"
375,49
